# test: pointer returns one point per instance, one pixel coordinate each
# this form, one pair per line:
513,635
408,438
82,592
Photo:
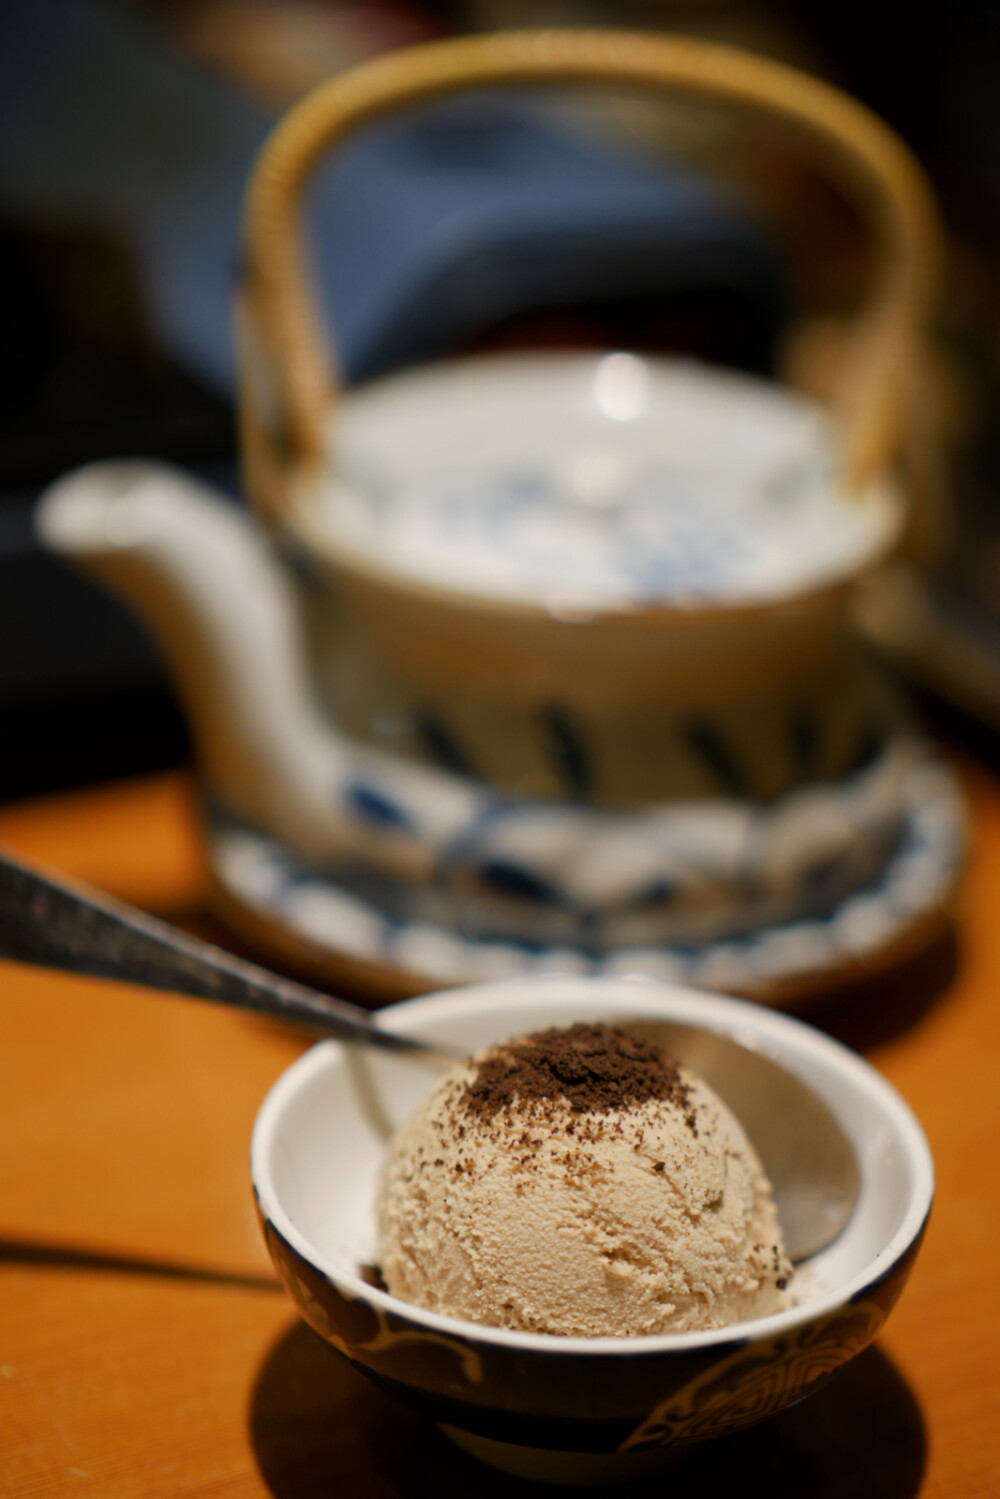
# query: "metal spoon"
59,924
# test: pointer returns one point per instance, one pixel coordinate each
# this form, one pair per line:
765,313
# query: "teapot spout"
204,582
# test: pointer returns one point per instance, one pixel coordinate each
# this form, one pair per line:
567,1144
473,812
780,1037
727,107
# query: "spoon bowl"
812,1166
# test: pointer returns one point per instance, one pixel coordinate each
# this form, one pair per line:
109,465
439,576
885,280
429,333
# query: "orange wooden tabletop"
146,1350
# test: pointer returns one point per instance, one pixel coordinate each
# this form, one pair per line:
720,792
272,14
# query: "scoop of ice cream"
577,1181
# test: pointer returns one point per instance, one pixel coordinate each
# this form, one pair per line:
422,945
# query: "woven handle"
288,382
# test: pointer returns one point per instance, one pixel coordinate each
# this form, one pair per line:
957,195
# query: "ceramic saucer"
316,921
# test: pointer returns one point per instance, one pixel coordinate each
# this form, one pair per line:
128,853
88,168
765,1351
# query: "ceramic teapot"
543,660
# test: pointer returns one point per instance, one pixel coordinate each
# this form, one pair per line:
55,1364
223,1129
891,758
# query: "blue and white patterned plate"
341,926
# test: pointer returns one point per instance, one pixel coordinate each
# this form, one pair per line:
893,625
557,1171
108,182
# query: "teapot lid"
584,483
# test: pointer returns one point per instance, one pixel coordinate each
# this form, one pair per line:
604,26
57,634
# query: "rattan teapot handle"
288,379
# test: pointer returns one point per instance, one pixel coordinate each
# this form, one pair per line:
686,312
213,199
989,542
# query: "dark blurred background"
126,134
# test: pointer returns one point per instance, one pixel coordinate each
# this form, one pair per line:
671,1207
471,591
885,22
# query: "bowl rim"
772,1032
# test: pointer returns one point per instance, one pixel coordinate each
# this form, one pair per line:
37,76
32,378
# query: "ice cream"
576,1181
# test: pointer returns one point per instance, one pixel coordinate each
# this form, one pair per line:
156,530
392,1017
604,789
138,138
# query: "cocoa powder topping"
596,1068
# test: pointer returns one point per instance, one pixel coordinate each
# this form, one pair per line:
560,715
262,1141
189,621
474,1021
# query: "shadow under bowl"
577,1409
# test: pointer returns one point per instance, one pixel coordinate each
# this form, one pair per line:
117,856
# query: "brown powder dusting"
598,1069
372,1276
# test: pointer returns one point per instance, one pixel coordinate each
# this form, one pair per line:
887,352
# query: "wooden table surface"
146,1350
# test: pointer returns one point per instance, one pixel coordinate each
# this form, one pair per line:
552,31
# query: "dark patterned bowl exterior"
619,1400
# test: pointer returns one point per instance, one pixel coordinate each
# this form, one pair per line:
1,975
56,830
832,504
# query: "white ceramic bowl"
576,1409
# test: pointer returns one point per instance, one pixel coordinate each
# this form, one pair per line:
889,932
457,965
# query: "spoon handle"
58,924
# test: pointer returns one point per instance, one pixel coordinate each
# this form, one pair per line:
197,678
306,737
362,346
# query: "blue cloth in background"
428,228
